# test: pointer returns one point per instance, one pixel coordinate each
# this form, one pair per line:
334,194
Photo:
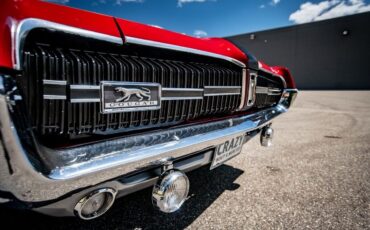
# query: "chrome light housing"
266,136
171,191
95,204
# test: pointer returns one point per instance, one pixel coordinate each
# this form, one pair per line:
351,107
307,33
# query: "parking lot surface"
315,176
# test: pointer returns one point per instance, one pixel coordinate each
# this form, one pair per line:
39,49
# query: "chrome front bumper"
81,167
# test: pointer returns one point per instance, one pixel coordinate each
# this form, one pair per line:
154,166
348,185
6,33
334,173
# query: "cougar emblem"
128,92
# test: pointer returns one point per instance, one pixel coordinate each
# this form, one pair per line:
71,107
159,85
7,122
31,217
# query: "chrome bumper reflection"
85,166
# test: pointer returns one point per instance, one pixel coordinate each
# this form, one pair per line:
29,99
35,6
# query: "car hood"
15,11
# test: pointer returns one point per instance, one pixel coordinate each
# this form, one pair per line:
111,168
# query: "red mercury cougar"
94,107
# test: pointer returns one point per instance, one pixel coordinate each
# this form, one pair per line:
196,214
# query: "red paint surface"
16,10
13,11
285,73
281,71
264,66
213,45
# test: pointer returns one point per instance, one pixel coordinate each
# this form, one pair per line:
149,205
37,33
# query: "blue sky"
217,18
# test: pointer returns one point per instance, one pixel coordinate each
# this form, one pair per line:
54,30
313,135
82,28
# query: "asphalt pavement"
315,176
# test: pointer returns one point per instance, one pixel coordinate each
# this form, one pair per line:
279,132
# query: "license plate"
227,150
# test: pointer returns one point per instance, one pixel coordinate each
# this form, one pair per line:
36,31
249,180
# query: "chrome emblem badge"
140,93
117,97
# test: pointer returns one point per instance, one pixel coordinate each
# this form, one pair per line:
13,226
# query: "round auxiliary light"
171,191
95,204
266,136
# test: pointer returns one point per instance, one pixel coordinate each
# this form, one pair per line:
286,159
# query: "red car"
93,108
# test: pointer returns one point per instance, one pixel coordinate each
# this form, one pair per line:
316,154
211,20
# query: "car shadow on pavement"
135,211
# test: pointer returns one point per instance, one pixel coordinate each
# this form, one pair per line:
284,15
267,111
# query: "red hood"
14,11
213,45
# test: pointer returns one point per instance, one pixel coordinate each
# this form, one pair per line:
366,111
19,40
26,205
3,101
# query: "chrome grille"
75,67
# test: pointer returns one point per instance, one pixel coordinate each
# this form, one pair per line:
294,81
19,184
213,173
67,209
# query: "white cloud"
309,12
120,2
200,33
270,3
274,2
180,3
156,26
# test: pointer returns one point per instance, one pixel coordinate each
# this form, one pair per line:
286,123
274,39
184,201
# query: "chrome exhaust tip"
171,191
267,134
95,203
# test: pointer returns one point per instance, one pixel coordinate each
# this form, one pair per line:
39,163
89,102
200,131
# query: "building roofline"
301,25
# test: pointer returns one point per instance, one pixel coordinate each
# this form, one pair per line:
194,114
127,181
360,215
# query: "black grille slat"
78,67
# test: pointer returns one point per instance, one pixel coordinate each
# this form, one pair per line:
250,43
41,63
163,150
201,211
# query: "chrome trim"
85,100
124,187
165,183
263,90
54,82
26,25
182,89
54,97
268,90
79,206
267,134
84,87
244,81
180,98
163,98
2,85
237,90
87,87
274,91
84,166
272,73
220,94
253,78
103,110
12,23
288,97
139,154
225,87
140,41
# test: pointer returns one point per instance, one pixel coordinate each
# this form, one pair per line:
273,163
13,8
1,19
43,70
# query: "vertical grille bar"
90,68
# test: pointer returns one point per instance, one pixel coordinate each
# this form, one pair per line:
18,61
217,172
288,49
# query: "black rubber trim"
120,30
252,60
